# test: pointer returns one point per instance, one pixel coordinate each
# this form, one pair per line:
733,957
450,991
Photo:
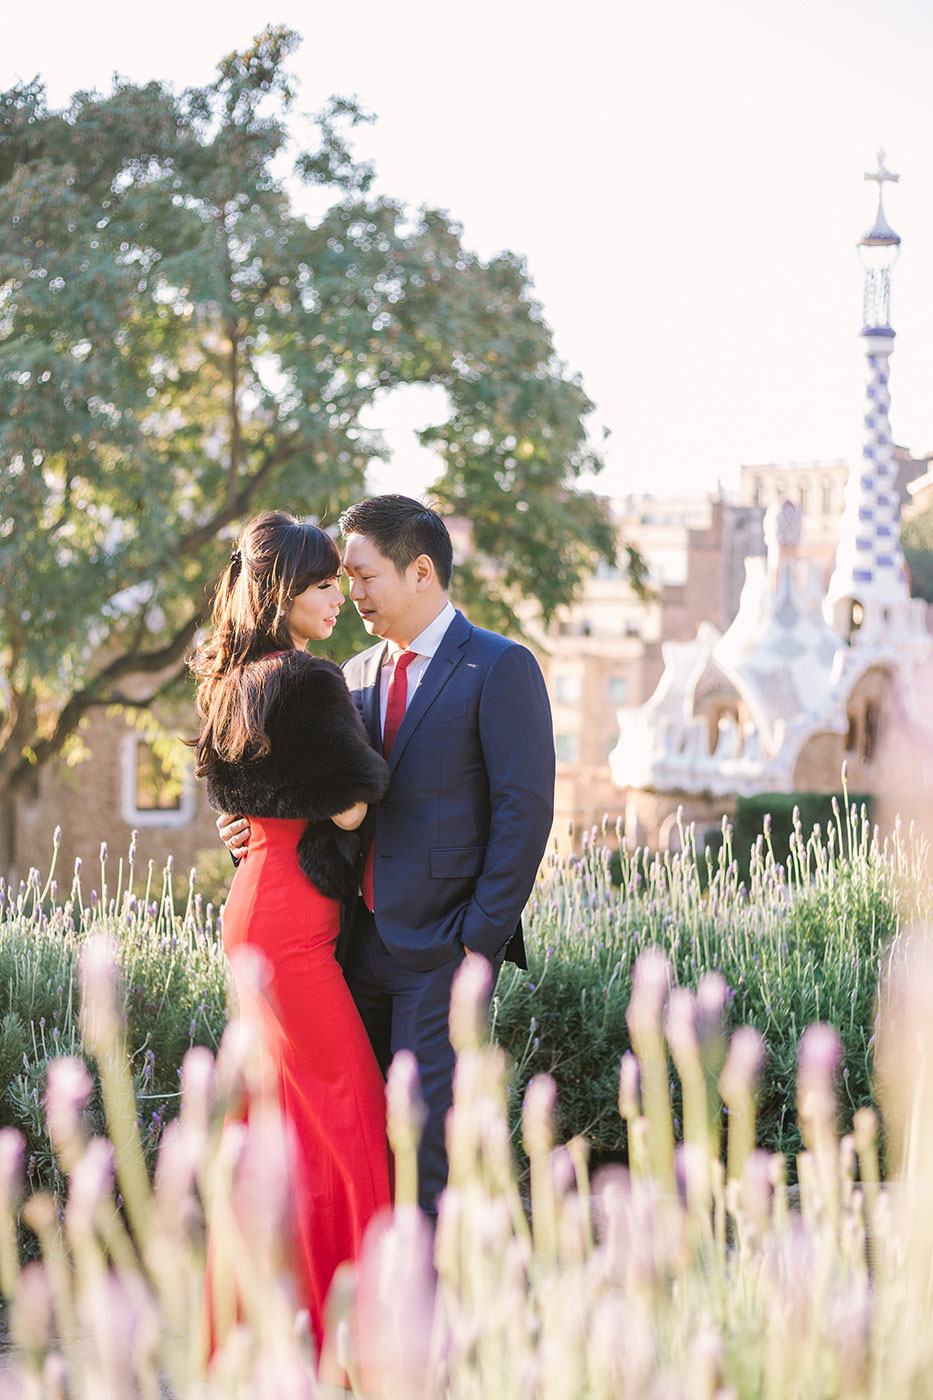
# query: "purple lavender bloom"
97,973
743,1064
629,1086
649,990
91,1184
681,1022
68,1089
31,1324
538,1114
405,1107
818,1062
12,1151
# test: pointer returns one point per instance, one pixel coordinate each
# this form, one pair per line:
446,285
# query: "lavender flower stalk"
103,1034
11,1178
649,994
737,1085
405,1119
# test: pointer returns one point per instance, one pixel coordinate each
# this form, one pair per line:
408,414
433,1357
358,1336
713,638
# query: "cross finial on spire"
880,175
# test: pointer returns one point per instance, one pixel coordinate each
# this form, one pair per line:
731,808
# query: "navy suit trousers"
406,1009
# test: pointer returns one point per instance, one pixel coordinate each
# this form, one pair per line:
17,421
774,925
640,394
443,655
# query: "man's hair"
401,529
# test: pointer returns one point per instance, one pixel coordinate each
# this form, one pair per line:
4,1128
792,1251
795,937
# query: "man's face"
388,602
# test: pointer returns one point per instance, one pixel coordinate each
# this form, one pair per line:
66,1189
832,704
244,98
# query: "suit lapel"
370,673
442,666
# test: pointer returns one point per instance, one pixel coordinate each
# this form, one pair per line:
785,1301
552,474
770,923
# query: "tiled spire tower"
869,569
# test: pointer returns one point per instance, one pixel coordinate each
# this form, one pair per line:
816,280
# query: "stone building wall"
92,802
651,818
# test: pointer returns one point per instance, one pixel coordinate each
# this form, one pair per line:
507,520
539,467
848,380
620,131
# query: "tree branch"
22,730
11,718
190,544
91,696
16,736
131,702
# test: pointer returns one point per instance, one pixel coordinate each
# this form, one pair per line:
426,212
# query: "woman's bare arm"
351,818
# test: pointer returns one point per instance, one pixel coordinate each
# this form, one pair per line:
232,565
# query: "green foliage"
795,944
782,816
917,544
674,1277
179,348
173,993
215,871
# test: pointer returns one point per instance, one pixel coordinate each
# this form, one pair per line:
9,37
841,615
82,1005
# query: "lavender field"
690,1262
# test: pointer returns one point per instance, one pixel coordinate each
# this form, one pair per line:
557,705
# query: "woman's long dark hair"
276,559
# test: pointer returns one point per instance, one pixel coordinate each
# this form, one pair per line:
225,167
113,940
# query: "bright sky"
684,178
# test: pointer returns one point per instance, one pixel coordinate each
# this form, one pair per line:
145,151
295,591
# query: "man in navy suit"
454,847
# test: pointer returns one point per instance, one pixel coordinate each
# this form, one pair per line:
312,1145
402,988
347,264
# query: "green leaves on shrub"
796,942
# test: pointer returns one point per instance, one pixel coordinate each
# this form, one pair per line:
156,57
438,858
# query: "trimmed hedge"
784,814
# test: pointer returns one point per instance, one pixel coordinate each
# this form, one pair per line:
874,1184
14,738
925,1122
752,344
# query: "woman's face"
313,614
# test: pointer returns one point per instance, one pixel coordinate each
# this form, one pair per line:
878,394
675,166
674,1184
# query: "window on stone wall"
153,796
711,839
567,747
156,790
618,690
870,732
827,499
568,688
862,732
607,571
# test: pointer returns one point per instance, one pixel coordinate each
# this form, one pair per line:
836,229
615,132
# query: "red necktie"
396,701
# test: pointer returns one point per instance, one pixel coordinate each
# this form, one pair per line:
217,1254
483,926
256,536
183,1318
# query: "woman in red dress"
282,742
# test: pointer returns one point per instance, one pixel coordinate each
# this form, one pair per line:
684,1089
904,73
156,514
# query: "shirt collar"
427,641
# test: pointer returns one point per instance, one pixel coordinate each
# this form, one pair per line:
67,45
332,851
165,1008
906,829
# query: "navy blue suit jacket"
462,830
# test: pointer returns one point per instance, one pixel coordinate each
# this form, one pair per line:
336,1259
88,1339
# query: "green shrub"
675,1278
799,940
174,991
784,814
795,944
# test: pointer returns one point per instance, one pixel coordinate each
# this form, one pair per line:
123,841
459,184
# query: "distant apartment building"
604,651
818,488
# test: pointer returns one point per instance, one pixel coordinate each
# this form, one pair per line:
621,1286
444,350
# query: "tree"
917,544
179,348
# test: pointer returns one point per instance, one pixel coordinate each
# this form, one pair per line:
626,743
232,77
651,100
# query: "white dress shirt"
424,646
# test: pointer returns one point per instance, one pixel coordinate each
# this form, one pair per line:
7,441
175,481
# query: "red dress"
327,1080
332,1091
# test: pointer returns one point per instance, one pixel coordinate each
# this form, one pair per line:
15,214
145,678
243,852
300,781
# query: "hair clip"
236,557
